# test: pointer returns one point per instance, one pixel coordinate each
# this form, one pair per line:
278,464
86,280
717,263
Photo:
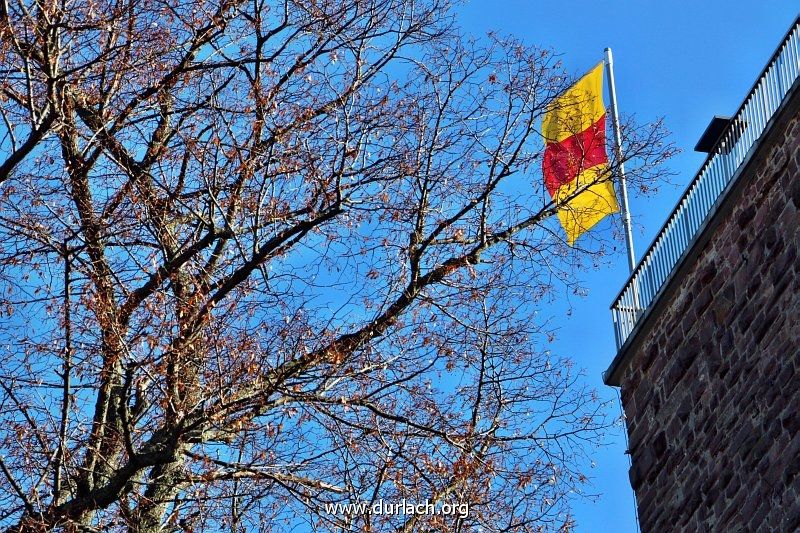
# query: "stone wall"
711,387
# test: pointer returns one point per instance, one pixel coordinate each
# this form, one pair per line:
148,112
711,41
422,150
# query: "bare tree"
259,258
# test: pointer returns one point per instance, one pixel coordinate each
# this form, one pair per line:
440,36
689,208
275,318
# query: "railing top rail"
711,155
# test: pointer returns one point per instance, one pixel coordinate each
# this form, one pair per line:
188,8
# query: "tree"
263,257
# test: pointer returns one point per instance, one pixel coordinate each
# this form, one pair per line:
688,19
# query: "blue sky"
685,61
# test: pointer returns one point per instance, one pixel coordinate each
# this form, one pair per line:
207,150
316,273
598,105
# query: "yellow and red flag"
576,170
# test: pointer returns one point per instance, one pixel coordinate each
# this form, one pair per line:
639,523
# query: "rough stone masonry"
710,383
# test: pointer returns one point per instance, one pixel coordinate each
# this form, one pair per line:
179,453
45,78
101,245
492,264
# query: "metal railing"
700,198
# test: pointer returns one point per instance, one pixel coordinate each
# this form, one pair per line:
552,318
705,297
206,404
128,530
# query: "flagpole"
626,214
626,222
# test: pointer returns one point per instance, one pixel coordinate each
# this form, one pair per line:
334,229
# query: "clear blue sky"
685,61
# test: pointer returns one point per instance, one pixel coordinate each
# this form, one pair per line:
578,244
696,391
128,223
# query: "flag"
576,170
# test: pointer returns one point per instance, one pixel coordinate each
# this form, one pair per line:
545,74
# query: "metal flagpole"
626,222
626,214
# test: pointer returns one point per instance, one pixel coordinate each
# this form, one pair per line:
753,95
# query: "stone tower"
708,329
